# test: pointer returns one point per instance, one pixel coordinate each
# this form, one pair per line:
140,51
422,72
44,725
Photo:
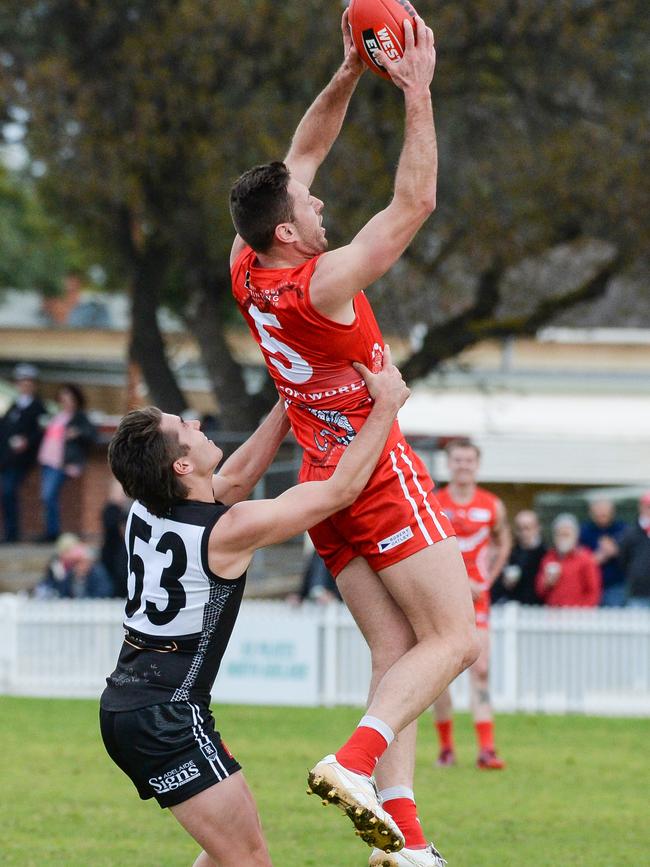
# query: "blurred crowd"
56,442
603,562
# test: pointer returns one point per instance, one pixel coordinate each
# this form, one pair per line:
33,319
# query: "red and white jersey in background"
473,523
309,356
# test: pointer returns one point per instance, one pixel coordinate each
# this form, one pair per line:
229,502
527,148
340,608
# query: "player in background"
190,536
481,526
393,553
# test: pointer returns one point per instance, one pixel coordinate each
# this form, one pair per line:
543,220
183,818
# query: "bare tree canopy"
143,114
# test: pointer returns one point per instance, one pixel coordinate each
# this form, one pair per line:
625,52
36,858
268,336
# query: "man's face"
307,219
644,510
463,463
202,452
602,512
26,386
527,529
565,538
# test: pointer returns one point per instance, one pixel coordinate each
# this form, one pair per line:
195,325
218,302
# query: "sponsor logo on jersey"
209,751
264,299
396,539
479,515
174,779
336,421
470,543
316,396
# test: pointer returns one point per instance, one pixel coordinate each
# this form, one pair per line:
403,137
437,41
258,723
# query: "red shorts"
395,516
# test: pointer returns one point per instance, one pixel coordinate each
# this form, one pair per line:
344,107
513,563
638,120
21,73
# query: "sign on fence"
549,660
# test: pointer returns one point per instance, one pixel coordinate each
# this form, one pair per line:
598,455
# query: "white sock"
371,722
395,792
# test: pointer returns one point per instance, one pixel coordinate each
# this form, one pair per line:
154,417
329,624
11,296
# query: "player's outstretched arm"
321,125
254,524
245,467
341,274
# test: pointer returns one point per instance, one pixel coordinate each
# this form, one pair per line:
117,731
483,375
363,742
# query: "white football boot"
357,797
429,857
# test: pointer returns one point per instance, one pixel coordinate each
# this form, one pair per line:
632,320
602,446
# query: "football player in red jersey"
479,519
393,552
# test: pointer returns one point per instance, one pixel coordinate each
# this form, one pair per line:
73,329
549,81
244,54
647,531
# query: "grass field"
575,792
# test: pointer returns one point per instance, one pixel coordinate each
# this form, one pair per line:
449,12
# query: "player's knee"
480,669
386,653
256,854
469,649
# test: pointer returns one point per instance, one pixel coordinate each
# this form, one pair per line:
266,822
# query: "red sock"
485,734
404,811
446,734
362,752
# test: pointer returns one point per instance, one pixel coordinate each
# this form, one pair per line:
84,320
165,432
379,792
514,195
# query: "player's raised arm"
245,467
342,273
256,523
322,122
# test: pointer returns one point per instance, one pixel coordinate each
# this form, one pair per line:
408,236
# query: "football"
379,24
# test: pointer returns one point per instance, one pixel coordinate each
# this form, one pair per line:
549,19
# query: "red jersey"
309,356
473,523
579,583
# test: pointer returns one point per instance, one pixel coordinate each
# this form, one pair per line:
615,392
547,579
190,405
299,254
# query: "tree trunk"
147,347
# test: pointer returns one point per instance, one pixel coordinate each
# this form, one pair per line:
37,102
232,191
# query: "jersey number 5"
170,577
300,370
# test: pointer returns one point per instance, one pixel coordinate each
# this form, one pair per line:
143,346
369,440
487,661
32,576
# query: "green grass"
575,792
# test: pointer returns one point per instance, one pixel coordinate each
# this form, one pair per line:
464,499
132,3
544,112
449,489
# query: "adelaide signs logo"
171,780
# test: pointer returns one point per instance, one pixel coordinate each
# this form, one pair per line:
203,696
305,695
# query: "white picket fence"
548,660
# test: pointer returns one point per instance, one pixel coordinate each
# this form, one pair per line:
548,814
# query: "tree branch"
478,323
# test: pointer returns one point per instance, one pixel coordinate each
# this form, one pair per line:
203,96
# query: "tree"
145,112
35,250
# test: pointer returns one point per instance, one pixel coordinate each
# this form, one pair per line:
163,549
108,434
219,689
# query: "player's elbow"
343,493
427,204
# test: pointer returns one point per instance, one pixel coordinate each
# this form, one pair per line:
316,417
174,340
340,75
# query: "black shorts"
170,751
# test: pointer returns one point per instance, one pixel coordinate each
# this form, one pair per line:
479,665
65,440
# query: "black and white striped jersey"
179,615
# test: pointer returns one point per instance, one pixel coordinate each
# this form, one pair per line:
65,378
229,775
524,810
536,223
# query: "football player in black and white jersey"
190,536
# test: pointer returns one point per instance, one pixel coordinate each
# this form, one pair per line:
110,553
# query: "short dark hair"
462,443
260,201
141,455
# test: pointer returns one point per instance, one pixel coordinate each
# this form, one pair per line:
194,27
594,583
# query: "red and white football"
379,24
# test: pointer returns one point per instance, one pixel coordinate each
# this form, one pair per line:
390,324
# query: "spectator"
318,585
75,574
21,431
635,557
113,551
517,581
602,534
568,574
63,453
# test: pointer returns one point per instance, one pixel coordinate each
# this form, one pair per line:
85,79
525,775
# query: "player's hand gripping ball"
378,24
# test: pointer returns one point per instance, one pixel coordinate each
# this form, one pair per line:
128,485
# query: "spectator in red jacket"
568,575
